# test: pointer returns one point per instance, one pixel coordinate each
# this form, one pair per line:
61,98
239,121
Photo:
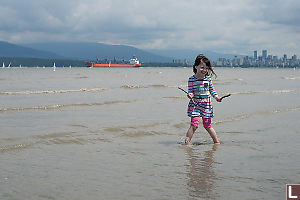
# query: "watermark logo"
293,191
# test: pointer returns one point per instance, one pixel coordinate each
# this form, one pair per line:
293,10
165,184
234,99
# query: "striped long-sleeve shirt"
202,89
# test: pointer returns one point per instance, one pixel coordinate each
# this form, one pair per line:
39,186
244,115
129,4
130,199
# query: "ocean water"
80,133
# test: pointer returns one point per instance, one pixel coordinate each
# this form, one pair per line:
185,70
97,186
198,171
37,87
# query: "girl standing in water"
200,88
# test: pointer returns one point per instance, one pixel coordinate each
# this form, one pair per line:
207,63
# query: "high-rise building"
264,54
255,55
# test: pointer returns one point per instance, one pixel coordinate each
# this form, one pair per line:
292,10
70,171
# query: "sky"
224,26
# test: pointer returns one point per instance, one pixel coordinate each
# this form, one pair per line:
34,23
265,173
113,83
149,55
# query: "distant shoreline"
43,62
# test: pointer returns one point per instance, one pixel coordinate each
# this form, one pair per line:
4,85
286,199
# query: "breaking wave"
132,86
140,133
265,92
134,127
245,116
232,119
162,86
52,91
137,130
147,86
15,147
291,78
175,97
49,139
58,106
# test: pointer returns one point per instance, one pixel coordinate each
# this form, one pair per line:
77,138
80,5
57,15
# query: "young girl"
200,88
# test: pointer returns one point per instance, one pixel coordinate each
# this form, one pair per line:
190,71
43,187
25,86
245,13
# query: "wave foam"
52,91
265,92
58,106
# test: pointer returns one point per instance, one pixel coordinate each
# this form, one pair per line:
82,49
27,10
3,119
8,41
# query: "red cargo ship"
134,62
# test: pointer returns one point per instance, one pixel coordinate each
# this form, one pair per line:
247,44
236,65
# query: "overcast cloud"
227,26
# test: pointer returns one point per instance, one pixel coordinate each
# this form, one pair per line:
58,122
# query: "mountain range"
92,51
14,50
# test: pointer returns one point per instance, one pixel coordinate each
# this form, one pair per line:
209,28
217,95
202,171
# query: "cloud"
218,25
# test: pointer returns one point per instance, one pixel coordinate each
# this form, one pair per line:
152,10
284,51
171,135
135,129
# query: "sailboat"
3,66
54,67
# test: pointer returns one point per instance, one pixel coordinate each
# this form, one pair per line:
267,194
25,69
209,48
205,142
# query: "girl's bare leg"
189,135
213,135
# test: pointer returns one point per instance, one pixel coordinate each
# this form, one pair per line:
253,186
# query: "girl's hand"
219,99
190,96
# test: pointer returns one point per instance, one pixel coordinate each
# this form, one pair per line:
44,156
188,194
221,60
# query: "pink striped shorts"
206,122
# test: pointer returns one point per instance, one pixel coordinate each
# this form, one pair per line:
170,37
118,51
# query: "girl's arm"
190,86
213,92
190,94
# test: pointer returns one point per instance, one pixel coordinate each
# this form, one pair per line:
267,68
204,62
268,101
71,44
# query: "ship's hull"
91,64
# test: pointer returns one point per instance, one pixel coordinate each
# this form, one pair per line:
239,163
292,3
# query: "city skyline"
264,54
263,60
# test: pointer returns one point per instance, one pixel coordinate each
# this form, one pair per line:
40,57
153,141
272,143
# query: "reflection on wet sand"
201,176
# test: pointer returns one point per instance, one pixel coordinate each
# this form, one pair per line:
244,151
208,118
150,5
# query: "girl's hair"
202,58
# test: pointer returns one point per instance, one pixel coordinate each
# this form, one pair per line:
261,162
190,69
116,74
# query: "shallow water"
84,133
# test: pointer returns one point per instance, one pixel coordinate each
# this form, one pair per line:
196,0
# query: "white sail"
54,67
3,65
